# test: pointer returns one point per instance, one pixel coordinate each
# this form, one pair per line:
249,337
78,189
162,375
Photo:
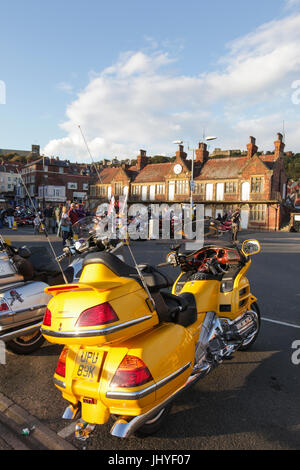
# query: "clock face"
177,169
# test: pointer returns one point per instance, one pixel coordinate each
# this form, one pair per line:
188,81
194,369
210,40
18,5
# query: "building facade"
256,184
50,180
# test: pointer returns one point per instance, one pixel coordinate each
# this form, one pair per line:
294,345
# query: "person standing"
48,214
235,219
65,225
10,214
72,213
57,215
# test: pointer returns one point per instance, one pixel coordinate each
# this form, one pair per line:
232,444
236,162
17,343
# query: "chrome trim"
147,390
58,382
87,333
125,429
20,331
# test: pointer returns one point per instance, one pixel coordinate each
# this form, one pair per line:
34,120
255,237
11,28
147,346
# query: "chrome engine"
220,337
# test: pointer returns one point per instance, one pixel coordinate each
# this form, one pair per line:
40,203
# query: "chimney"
180,153
202,153
279,146
251,147
142,160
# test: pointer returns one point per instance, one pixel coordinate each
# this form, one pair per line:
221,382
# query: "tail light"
61,365
132,372
47,318
98,315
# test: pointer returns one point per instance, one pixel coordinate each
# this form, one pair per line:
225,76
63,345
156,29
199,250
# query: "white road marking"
280,322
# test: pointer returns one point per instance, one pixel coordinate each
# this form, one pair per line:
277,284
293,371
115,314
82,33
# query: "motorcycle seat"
155,280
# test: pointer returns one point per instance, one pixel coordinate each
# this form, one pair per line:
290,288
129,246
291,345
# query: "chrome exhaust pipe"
123,428
25,330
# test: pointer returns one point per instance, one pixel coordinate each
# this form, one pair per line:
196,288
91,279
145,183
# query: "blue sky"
137,74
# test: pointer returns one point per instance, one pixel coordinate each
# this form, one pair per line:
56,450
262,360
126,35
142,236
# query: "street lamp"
180,142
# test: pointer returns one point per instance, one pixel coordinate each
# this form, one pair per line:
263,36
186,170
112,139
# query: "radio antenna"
89,152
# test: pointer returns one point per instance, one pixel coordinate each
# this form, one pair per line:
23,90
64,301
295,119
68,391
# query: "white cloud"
141,102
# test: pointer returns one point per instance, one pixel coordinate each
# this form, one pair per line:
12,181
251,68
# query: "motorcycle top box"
108,303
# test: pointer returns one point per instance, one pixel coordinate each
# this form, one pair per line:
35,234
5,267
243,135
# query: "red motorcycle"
225,226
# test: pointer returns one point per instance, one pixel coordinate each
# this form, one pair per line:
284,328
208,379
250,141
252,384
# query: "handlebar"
161,265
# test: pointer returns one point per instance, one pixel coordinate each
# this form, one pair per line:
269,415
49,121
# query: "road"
251,402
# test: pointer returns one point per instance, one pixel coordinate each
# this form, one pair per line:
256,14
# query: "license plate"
88,364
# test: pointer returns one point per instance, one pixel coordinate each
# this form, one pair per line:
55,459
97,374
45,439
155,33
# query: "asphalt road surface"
251,402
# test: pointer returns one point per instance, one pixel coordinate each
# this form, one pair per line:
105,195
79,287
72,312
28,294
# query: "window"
258,213
72,185
199,188
230,187
101,190
160,189
136,189
257,184
181,187
61,170
118,189
85,186
209,191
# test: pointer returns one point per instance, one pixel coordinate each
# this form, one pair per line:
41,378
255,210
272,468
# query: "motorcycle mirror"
171,258
250,247
77,245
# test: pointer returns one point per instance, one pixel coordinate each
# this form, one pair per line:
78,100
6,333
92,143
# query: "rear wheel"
26,344
155,423
248,342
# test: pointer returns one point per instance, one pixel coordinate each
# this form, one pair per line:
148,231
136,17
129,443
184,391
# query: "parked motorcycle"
130,347
225,226
24,275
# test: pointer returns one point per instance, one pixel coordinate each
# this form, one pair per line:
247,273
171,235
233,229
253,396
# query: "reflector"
47,318
61,365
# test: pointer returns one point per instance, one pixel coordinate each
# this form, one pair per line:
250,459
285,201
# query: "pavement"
19,430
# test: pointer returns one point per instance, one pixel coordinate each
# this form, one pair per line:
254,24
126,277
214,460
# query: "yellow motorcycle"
130,347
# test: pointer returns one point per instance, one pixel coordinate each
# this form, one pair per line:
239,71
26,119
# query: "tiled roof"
108,174
228,167
153,172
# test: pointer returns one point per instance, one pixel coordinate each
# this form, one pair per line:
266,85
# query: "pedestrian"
48,215
10,214
58,212
36,225
72,213
65,225
235,219
80,211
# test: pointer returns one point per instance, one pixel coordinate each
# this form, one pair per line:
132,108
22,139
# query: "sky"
140,75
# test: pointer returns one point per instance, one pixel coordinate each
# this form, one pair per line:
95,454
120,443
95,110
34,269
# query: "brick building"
50,180
254,183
